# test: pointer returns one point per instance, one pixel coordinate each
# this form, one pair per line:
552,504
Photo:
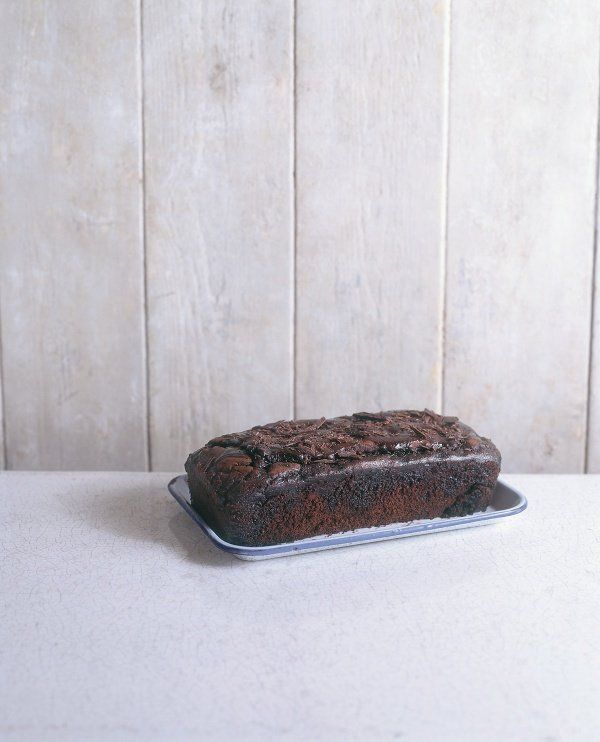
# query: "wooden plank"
71,264
370,166
522,153
593,437
218,117
2,423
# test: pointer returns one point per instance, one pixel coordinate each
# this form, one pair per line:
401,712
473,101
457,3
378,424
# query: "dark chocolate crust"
295,479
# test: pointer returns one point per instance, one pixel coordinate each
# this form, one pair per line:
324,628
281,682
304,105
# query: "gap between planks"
294,223
142,176
593,287
443,279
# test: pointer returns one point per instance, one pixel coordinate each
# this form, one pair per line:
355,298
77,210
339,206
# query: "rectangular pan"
506,501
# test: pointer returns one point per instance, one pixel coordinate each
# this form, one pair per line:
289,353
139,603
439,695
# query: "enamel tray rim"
506,501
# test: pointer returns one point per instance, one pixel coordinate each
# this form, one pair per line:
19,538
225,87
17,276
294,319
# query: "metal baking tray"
506,501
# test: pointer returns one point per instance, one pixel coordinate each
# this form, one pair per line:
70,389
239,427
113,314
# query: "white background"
124,623
218,214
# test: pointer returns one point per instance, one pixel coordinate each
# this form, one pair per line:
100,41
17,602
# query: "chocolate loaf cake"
293,479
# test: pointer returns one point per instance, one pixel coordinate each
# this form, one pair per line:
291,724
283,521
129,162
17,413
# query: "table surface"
121,621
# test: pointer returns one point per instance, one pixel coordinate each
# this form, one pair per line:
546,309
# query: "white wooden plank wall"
71,256
217,214
593,427
218,125
370,166
522,165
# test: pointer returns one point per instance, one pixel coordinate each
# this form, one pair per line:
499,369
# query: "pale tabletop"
121,621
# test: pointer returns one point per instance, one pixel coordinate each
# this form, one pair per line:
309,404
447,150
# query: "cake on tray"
291,480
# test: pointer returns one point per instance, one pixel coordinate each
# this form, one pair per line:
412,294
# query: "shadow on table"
148,513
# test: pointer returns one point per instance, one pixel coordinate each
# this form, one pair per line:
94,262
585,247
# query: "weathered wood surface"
593,432
370,172
275,176
71,263
218,131
521,192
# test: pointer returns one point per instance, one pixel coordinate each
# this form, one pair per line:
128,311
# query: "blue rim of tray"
514,503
